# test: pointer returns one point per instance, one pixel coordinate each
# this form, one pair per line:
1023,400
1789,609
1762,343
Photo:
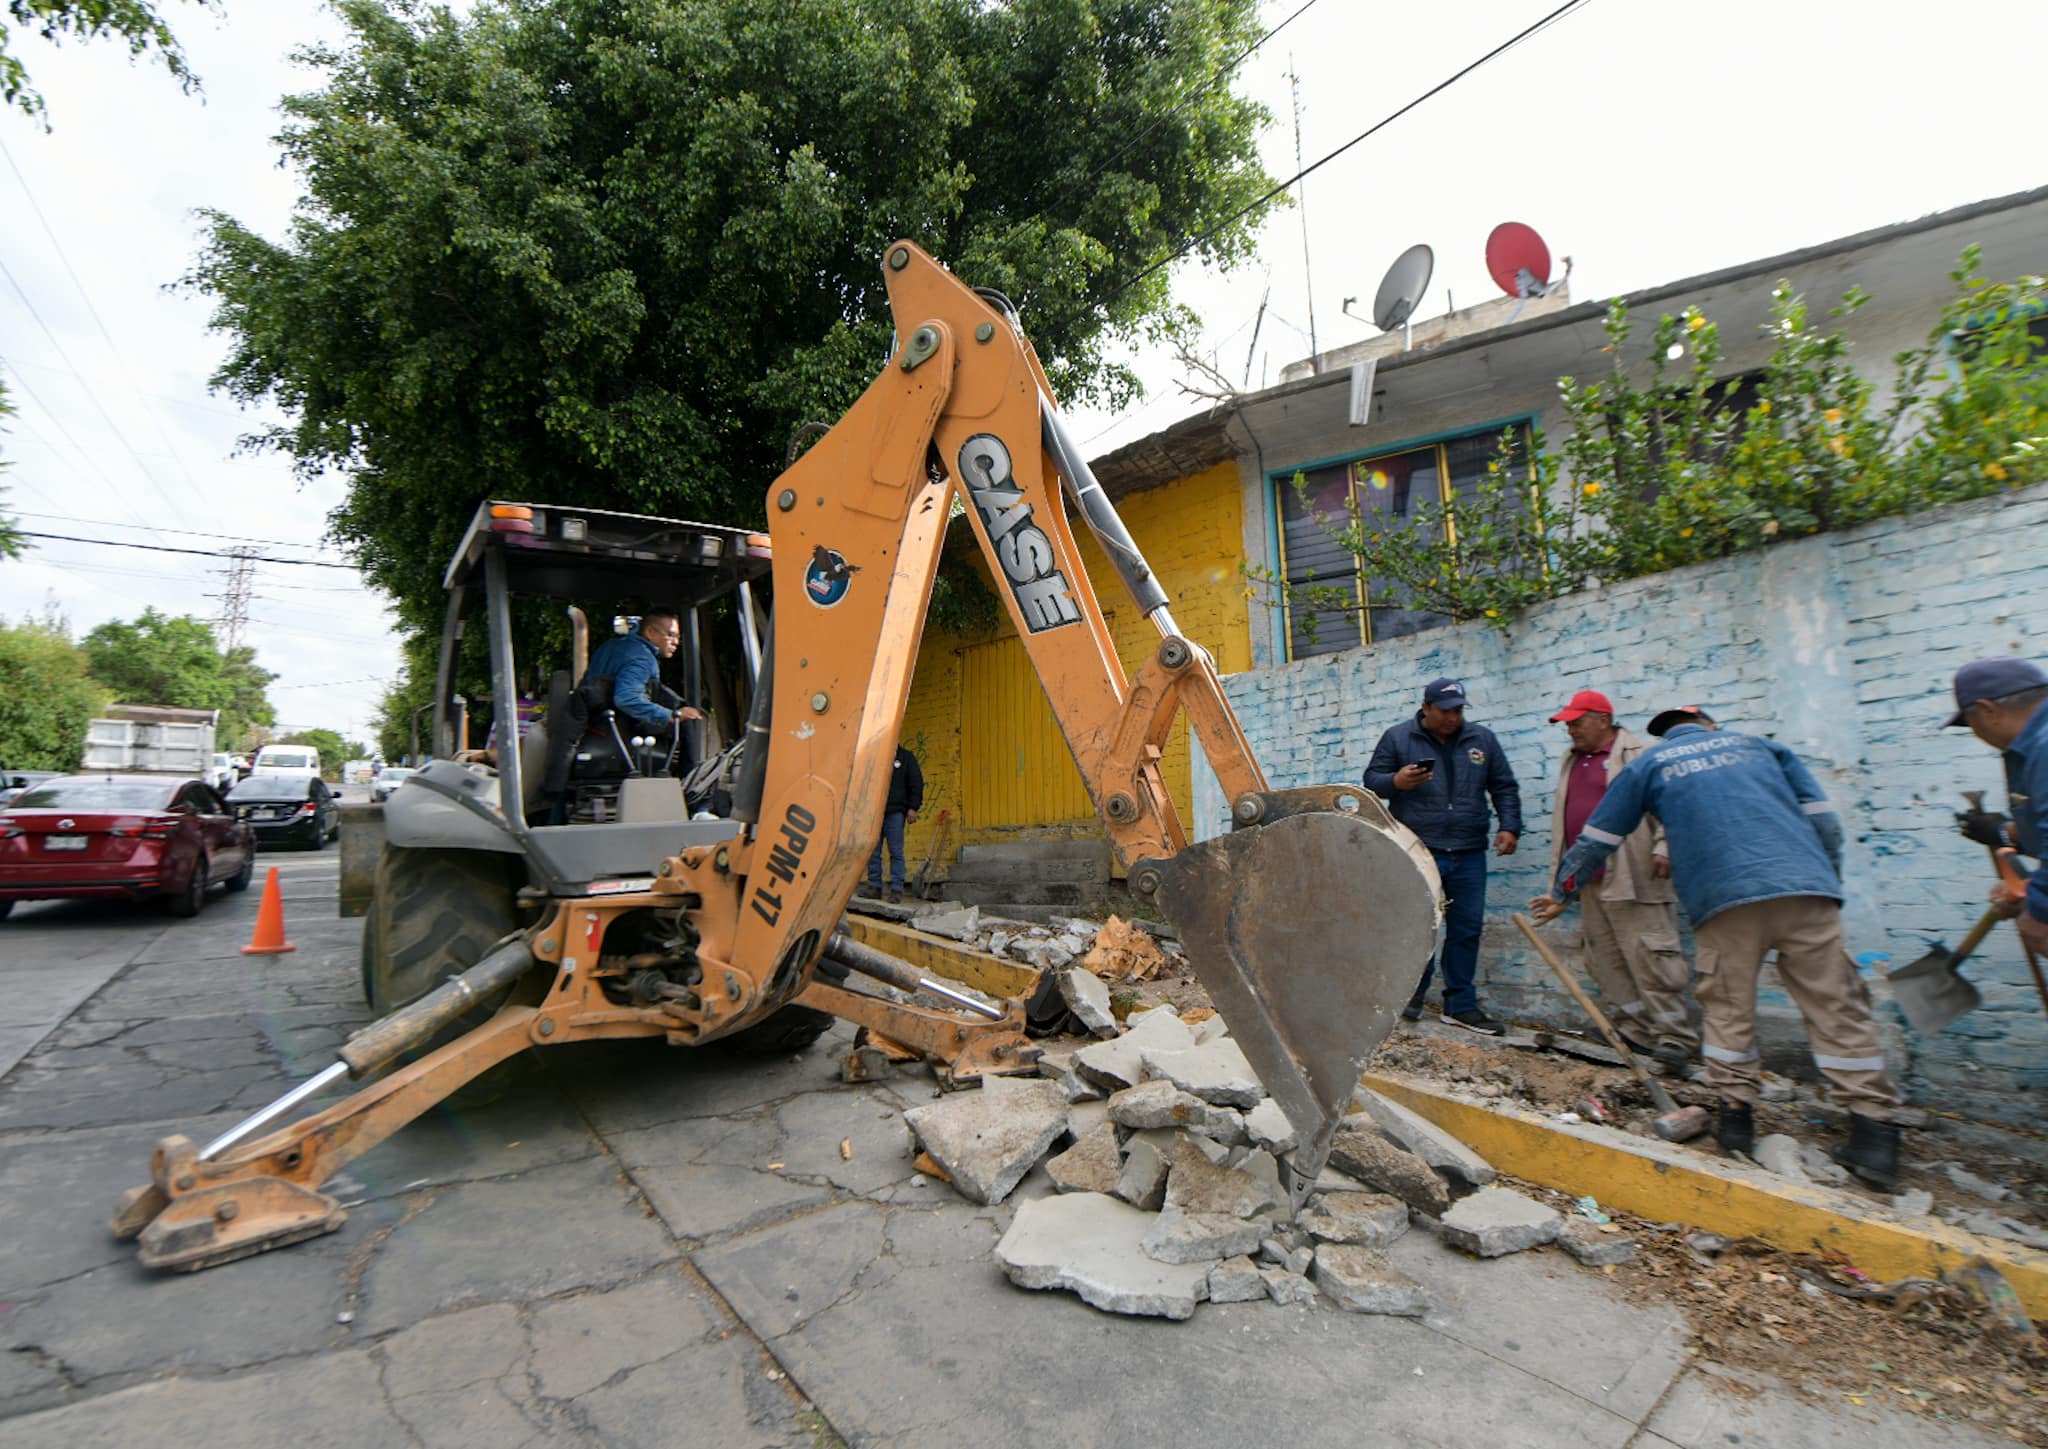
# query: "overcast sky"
1648,141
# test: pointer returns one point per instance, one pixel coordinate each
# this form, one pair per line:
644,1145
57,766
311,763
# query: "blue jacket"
635,671
1746,821
2026,797
1448,811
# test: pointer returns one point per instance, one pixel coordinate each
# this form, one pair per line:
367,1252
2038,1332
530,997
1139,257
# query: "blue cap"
1993,678
1445,694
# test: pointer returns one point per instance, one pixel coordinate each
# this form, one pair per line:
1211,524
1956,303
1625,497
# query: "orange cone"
269,938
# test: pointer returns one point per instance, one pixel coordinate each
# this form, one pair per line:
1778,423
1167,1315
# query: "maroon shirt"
1584,789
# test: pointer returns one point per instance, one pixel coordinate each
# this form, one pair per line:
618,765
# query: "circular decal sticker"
828,577
1476,755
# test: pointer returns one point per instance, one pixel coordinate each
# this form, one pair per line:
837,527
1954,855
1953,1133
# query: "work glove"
1986,827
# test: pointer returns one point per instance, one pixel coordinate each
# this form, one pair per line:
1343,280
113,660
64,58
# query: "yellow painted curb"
937,956
1669,1183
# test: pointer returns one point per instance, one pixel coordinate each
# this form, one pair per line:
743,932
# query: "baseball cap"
1586,701
1445,694
1993,678
1682,714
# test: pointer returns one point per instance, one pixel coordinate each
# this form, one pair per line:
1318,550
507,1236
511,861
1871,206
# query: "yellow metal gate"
1015,767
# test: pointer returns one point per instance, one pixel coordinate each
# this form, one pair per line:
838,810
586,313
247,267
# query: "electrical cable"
107,337
311,563
1387,120
193,532
50,415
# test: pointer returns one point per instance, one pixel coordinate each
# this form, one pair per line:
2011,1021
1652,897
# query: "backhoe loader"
1307,921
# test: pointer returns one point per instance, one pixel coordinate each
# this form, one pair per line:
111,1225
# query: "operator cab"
587,793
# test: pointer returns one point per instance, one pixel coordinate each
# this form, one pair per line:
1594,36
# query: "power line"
107,337
57,422
311,563
189,532
1387,120
1187,99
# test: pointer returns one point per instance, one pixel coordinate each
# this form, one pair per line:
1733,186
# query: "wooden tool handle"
1976,937
1657,1093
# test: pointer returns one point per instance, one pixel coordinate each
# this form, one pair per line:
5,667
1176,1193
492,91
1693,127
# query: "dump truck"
609,899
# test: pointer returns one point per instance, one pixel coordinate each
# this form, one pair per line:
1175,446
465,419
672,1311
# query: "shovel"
918,887
1931,991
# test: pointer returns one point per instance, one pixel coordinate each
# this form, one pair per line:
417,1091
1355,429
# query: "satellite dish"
1402,287
1518,261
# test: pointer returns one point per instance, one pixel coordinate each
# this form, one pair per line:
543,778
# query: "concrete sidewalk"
626,1244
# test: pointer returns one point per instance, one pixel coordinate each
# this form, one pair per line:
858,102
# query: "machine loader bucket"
1309,929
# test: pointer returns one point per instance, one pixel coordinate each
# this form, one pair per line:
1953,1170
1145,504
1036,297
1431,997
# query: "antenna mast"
1315,363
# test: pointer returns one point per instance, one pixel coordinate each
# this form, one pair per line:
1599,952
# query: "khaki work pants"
1633,955
1806,932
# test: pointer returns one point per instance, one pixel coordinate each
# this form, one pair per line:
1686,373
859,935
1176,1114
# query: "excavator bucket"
1309,927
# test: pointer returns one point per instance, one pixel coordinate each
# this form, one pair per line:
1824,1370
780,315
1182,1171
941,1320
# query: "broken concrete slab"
1361,1280
1180,1236
1236,1280
1114,1065
1043,955
1285,1288
962,923
1969,1182
1365,1219
1822,1168
1216,1071
1088,1244
1210,1028
1091,1165
1912,1203
1593,1245
987,1140
1194,1184
1497,1220
1268,1127
1367,1154
1087,996
1142,1182
1162,1104
1426,1140
1783,1155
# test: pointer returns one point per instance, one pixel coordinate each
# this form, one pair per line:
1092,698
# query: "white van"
301,760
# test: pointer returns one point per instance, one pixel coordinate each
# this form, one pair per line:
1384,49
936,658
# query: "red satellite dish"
1517,260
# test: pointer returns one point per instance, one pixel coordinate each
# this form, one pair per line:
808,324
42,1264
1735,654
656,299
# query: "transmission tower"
234,597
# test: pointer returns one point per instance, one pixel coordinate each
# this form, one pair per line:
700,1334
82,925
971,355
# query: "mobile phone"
1428,767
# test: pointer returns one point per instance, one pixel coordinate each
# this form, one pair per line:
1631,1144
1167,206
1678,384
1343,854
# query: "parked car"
288,809
13,782
137,836
300,760
388,779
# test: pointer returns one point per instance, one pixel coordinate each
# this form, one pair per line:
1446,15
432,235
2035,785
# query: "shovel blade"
1309,931
1932,992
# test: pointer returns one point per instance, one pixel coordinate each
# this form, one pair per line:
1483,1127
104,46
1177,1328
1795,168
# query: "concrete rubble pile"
1161,1186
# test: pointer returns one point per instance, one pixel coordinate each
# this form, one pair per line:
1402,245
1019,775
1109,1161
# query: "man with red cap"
1628,910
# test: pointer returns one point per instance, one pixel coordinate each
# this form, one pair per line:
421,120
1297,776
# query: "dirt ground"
1924,1347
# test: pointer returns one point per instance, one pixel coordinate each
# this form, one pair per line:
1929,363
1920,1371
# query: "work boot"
1871,1151
1735,1128
895,897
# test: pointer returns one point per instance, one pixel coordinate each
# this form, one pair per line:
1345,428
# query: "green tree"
611,254
46,695
137,23
174,660
333,747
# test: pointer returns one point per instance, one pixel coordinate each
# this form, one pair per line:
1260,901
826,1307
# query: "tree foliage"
46,696
335,750
174,660
611,254
1663,466
137,23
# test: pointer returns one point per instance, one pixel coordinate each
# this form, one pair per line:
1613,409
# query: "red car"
136,836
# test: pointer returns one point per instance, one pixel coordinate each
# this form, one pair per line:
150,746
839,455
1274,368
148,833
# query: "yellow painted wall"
1191,532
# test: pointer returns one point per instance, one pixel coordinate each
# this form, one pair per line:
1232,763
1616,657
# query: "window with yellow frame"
1388,489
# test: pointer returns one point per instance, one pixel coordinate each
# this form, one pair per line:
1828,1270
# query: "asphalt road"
626,1244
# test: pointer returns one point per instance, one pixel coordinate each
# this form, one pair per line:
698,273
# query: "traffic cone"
269,938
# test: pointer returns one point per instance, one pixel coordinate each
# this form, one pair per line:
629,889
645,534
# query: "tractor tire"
789,1030
433,915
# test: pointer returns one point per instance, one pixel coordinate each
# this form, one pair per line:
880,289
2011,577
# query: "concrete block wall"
1841,646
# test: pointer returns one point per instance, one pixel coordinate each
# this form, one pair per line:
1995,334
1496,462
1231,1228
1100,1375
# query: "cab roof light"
511,518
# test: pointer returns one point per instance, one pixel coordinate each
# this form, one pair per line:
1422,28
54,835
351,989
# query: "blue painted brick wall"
1843,647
